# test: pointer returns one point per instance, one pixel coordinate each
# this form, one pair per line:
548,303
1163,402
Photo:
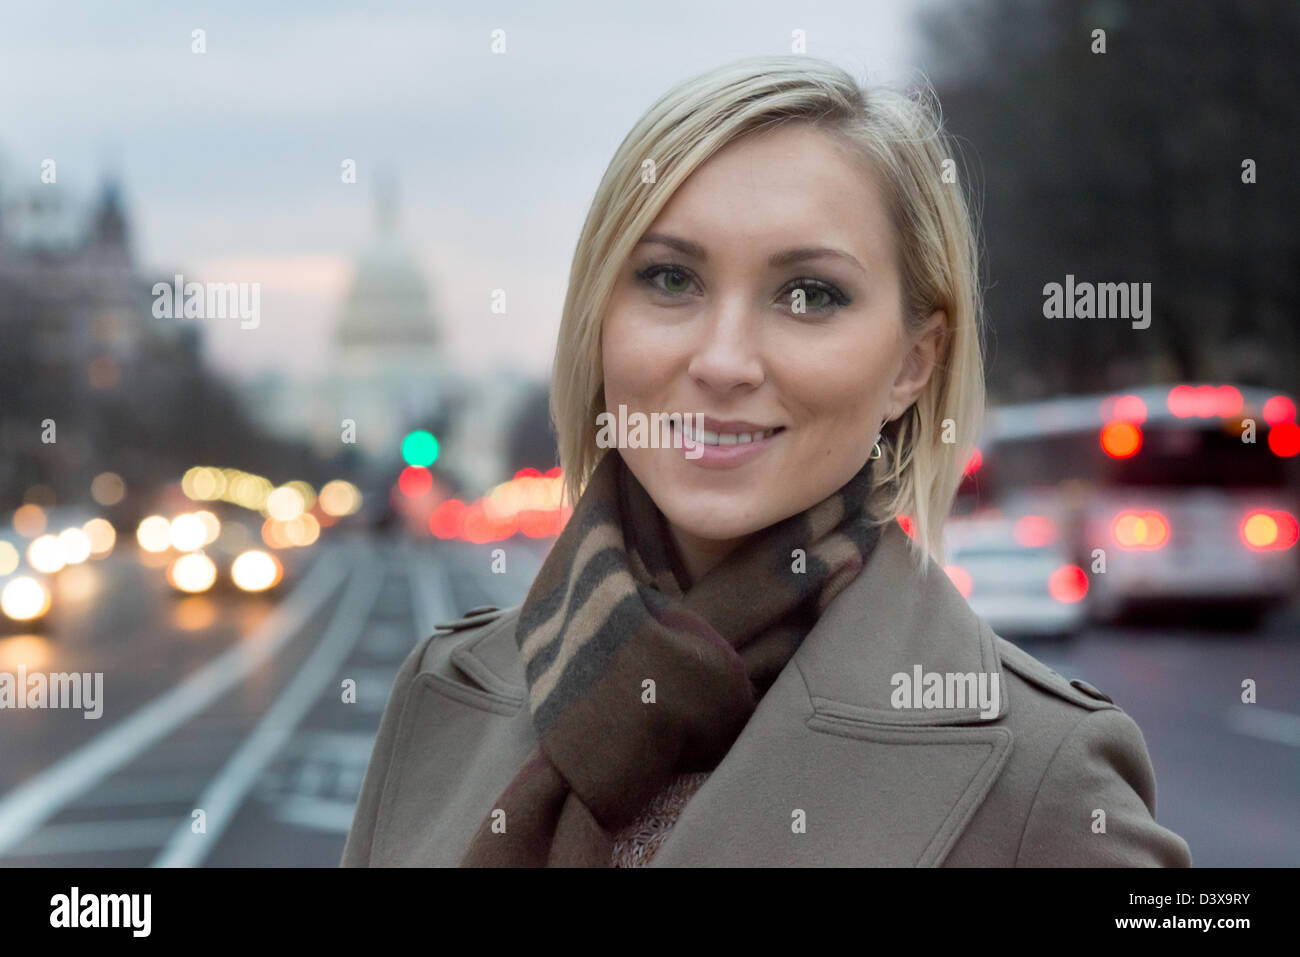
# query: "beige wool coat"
827,772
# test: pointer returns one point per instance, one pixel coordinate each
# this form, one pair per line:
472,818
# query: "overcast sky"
230,160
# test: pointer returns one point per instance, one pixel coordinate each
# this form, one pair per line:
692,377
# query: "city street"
234,707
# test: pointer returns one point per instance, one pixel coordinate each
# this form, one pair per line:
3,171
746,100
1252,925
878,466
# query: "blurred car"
231,557
26,593
1017,574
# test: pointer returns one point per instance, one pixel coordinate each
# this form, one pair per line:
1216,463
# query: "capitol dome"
387,305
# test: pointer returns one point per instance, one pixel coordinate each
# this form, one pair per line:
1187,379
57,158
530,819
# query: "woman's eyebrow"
785,258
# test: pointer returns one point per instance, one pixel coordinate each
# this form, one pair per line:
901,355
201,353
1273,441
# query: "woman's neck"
698,555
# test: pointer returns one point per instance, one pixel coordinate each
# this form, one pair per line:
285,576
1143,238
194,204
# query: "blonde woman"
716,663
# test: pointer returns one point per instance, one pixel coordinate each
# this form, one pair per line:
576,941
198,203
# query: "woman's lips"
723,456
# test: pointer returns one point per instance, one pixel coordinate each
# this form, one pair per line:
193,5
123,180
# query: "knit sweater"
636,844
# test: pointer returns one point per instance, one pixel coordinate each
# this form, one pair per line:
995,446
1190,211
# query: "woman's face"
703,320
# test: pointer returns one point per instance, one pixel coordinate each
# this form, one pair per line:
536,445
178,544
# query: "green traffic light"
420,448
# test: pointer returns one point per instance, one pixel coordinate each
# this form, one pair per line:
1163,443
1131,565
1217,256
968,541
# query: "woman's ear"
920,361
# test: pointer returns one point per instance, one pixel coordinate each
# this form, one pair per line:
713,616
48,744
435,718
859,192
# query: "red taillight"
1140,530
1204,401
1121,440
1284,439
1267,530
1279,409
1068,584
1228,401
1034,531
1288,529
1125,408
960,578
447,520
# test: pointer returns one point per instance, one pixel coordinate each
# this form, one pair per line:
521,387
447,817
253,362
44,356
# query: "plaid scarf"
634,677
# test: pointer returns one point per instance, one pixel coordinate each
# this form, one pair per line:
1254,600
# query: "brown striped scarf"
612,609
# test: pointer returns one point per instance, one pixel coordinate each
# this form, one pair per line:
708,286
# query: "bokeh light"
415,481
273,534
1121,440
29,520
1279,409
154,534
107,488
339,498
75,546
211,526
203,484
102,536
303,530
256,571
24,598
45,554
420,448
9,558
1284,439
305,490
192,573
187,532
285,503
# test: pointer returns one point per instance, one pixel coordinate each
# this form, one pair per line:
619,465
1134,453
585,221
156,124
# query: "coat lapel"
828,772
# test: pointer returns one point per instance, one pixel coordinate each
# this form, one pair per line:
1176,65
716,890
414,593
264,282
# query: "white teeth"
705,437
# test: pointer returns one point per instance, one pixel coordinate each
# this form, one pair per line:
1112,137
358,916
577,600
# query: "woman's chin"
717,527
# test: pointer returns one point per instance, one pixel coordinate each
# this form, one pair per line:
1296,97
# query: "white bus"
1163,495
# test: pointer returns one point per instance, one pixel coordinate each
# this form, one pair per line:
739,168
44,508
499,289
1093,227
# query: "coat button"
1090,690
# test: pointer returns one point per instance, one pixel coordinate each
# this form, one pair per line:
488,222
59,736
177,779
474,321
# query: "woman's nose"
727,349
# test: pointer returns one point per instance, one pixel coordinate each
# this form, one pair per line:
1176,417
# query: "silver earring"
875,449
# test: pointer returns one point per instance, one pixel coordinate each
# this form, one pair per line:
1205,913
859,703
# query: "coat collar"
892,621
888,621
875,783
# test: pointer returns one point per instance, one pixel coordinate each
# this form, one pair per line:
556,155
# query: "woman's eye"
818,296
676,279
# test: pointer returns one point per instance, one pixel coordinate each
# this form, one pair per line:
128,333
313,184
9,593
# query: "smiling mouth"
705,437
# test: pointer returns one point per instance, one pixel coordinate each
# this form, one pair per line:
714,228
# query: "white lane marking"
89,837
318,814
39,798
156,789
1278,726
223,797
339,746
430,594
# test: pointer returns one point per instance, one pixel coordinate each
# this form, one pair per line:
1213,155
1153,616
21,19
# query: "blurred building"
389,373
76,261
74,332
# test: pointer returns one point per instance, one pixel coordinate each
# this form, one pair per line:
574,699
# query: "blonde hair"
900,138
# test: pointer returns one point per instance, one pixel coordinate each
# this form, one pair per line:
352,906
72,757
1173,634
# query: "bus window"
1044,461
